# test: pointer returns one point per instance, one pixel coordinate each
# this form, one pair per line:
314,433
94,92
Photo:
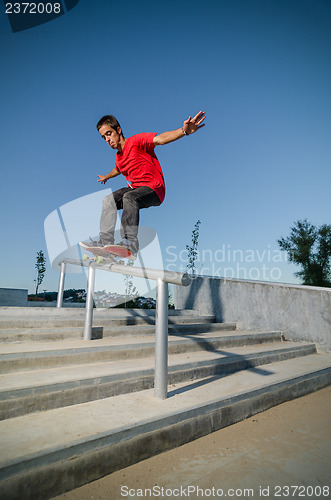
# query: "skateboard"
111,253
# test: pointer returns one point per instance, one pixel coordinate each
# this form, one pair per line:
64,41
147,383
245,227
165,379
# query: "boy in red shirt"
136,160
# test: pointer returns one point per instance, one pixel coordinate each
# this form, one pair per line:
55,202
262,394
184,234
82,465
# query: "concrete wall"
13,297
301,312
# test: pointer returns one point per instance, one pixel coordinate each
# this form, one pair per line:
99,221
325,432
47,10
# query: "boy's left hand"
191,125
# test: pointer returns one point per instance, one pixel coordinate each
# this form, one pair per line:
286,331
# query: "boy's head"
110,130
112,122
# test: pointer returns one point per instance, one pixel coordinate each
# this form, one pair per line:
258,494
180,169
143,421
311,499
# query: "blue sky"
260,69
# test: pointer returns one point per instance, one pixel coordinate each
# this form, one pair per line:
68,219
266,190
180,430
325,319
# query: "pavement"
284,452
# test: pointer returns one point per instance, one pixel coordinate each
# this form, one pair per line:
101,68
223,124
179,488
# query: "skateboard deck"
119,251
110,253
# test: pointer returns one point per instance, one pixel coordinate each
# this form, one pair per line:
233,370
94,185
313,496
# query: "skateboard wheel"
85,256
99,259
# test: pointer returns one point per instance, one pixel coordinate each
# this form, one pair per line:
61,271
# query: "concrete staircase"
72,411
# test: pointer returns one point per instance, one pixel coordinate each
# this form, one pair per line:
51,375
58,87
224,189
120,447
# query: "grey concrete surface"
16,320
72,305
13,297
43,324
283,447
117,348
75,426
302,312
64,385
48,453
51,333
42,311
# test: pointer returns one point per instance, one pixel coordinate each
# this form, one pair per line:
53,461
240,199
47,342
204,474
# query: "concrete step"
111,330
25,356
37,312
48,453
39,390
46,322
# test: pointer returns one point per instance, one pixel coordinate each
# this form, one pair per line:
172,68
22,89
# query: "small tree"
310,247
130,290
193,249
41,269
170,301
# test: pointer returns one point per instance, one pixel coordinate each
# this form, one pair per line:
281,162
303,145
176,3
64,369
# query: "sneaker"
125,243
93,243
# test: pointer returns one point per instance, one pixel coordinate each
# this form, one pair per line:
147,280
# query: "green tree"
193,249
171,304
130,290
310,247
41,269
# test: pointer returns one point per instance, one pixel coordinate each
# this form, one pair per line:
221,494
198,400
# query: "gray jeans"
130,201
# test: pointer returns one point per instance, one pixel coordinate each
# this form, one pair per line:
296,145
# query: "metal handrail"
172,277
162,279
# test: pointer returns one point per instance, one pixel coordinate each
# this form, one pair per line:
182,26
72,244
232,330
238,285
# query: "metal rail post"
61,285
162,279
89,304
161,341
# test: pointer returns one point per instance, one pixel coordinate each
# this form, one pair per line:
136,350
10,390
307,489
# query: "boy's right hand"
103,179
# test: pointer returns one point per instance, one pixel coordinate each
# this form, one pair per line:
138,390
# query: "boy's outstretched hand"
103,179
191,125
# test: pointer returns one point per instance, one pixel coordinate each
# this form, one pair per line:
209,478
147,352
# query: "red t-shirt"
139,164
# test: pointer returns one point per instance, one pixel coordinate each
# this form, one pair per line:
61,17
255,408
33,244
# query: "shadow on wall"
213,298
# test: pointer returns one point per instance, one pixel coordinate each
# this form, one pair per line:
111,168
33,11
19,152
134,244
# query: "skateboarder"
136,160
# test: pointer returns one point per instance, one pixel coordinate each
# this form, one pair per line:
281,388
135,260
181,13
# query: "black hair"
111,121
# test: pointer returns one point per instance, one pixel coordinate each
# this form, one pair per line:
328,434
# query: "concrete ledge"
69,311
47,473
301,312
115,380
13,297
102,332
74,305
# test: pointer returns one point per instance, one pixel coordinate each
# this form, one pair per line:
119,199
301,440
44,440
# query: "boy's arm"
104,178
190,126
